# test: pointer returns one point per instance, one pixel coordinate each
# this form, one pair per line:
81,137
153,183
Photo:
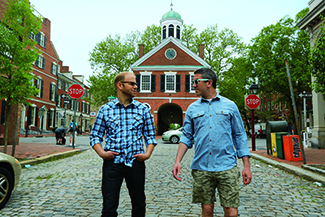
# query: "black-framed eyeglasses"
130,82
196,81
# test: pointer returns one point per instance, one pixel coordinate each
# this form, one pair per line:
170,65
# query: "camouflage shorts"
227,183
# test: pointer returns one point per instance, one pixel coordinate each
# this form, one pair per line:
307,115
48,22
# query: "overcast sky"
78,25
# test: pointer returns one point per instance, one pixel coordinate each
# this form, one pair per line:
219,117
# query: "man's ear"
119,85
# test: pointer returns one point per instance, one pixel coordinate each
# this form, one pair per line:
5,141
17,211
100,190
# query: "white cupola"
171,24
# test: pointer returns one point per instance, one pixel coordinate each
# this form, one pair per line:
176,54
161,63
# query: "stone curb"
303,173
50,157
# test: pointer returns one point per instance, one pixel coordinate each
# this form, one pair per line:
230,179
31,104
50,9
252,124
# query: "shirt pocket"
113,125
222,117
137,122
198,119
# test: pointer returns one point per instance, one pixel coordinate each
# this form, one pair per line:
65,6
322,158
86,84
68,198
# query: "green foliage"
150,37
318,66
274,44
17,53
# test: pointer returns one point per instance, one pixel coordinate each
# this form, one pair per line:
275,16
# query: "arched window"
178,32
164,32
171,30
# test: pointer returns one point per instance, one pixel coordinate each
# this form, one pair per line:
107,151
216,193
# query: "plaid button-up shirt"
124,129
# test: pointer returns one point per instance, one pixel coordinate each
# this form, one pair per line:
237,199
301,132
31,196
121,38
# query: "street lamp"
253,89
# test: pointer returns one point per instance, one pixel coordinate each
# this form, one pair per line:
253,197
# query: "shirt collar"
217,97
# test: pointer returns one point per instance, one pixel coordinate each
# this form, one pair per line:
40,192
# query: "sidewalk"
32,153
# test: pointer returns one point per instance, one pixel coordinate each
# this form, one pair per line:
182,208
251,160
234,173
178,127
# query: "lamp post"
253,90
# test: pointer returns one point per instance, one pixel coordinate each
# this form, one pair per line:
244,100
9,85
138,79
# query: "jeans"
113,175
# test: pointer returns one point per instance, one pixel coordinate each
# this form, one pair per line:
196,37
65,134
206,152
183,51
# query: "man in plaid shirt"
123,122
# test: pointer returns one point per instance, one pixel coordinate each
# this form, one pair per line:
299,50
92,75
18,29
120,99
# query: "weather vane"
171,4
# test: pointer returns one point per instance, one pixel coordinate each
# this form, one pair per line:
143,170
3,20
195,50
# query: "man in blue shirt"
123,122
215,125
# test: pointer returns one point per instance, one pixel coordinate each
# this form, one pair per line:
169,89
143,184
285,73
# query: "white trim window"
38,85
170,82
192,89
145,82
52,92
52,111
32,115
54,68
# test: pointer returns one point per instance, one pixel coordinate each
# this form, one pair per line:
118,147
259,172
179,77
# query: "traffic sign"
75,91
252,101
305,95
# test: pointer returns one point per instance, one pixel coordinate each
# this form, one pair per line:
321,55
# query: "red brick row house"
47,108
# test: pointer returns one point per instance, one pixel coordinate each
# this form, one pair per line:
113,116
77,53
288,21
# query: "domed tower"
171,24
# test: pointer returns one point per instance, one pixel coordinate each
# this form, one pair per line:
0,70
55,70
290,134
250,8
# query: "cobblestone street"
72,187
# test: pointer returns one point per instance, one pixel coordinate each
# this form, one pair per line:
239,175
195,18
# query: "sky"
78,25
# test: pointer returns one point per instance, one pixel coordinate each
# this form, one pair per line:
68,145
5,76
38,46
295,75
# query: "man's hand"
141,156
247,176
177,171
107,155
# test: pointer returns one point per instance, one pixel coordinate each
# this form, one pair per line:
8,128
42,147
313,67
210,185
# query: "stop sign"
76,91
252,101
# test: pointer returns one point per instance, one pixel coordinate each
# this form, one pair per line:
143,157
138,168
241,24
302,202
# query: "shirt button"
210,127
210,140
210,115
210,153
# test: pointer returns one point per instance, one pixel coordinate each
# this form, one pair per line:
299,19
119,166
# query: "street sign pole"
253,130
74,121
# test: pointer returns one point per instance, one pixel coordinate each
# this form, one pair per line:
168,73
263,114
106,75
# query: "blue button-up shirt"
218,133
124,128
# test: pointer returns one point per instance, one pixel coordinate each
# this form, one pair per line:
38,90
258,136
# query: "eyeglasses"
196,81
130,82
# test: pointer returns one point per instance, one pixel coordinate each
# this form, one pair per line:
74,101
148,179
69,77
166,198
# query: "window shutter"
187,83
42,87
36,117
45,39
52,68
178,83
56,96
153,83
162,83
43,66
3,111
37,62
137,79
37,37
57,70
50,91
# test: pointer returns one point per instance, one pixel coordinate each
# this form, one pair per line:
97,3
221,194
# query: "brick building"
47,109
165,74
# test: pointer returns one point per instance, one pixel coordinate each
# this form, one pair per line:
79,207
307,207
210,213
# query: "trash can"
273,144
292,149
279,144
274,127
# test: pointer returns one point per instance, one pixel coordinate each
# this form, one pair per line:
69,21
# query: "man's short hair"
120,77
209,74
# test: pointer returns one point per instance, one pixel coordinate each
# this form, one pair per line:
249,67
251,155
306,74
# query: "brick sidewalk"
313,156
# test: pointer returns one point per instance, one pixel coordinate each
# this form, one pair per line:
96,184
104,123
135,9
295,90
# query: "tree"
274,44
220,48
150,37
17,53
317,63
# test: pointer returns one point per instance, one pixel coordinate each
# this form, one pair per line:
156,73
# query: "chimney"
65,68
201,51
141,50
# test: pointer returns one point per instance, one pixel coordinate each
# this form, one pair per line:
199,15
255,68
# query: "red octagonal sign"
76,91
252,101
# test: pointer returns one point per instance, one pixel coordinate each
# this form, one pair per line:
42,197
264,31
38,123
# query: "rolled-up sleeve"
149,131
98,129
238,134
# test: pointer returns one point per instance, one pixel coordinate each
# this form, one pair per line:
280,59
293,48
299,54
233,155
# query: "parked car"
172,136
10,170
